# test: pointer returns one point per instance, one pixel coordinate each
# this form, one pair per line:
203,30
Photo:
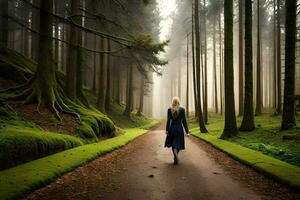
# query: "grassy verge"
279,170
17,181
265,149
266,138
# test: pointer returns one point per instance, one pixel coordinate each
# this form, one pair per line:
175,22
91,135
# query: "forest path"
144,169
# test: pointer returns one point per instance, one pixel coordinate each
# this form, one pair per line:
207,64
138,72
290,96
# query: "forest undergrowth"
266,138
29,131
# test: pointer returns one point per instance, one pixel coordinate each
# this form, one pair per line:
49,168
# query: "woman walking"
174,130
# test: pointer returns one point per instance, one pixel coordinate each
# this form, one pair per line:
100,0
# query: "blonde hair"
175,106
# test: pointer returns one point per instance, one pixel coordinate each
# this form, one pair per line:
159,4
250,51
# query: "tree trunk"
4,22
45,73
35,38
129,95
241,60
221,66
187,75
94,88
248,116
79,73
258,66
194,66
205,114
140,110
230,128
73,52
215,66
102,79
288,114
108,86
279,98
274,58
118,89
44,87
197,34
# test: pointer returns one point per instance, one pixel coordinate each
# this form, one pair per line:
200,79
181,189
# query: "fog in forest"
173,81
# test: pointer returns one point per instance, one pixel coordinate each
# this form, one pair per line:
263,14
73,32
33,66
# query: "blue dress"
175,126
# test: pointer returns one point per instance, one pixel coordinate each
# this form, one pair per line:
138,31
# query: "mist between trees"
111,48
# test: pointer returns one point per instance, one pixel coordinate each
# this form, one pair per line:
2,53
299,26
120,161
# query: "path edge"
271,167
18,181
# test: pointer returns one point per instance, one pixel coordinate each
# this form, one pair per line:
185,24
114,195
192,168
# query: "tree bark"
141,105
279,97
102,79
187,75
73,52
94,88
205,114
118,86
194,66
45,73
108,85
4,24
241,60
215,66
248,116
230,128
197,34
221,66
288,114
258,66
274,58
129,95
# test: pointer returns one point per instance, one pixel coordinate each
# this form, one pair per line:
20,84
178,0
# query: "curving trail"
143,169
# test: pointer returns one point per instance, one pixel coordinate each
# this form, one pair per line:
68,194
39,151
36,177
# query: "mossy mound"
22,142
94,124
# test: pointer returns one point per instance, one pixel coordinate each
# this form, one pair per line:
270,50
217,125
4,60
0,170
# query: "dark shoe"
175,160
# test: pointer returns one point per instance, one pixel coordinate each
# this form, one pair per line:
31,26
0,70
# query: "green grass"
266,138
264,148
116,114
17,181
282,171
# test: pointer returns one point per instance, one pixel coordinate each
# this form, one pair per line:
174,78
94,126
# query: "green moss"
266,138
14,182
85,131
100,123
116,114
20,144
282,171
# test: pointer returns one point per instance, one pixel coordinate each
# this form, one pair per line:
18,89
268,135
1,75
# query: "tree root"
31,92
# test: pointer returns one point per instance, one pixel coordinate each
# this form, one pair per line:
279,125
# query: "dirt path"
144,170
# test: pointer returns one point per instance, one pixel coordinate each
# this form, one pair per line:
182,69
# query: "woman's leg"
175,153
